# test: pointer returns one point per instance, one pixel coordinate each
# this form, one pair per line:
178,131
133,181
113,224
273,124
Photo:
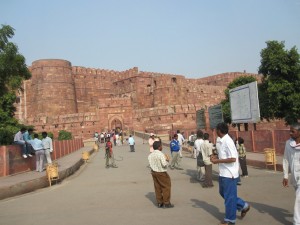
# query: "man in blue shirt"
27,138
174,146
38,147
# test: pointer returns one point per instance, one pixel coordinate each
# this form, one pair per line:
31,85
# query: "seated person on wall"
27,137
19,140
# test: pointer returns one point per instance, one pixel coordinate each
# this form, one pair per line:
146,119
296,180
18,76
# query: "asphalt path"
125,196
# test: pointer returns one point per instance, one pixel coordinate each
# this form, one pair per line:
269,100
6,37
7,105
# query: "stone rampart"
84,100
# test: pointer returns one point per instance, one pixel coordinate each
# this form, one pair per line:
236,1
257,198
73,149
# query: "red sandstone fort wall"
85,100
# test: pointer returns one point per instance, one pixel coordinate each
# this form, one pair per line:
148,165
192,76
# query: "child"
242,156
109,155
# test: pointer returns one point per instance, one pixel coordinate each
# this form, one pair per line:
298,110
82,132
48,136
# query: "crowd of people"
30,146
229,155
225,154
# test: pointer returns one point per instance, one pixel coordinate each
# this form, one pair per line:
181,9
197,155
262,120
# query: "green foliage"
7,134
41,137
280,88
13,71
64,135
225,103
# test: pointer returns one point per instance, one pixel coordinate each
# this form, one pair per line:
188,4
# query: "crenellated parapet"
83,100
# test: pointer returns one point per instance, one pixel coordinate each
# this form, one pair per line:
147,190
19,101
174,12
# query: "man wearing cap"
151,141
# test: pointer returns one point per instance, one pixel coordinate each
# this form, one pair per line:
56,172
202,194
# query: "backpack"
200,161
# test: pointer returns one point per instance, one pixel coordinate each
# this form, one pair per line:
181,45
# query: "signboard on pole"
215,115
244,104
200,119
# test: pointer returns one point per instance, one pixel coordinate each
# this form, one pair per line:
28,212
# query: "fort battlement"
82,100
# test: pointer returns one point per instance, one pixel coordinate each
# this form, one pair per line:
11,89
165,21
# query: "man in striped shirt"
162,181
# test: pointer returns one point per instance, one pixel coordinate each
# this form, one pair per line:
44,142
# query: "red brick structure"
60,96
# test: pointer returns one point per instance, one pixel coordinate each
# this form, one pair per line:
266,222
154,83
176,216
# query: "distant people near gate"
19,140
96,137
197,148
109,155
27,138
174,147
48,146
102,139
131,143
151,141
114,136
118,140
291,162
181,140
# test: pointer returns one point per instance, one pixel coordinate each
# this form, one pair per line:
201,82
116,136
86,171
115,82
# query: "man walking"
229,172
131,143
174,146
291,160
162,181
181,140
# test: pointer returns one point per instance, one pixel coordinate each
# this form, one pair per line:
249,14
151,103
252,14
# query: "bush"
64,135
7,135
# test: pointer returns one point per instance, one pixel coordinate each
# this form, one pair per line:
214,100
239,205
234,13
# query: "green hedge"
64,135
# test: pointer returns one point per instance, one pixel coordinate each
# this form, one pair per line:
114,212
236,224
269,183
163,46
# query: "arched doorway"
116,124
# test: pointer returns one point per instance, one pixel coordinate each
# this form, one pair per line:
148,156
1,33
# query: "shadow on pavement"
213,210
278,214
151,197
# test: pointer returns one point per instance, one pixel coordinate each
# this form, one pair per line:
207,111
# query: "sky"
193,38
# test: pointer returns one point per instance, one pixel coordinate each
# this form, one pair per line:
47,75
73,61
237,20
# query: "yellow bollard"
52,172
85,156
96,147
270,157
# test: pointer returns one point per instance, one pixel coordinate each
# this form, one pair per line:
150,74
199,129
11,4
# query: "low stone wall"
12,162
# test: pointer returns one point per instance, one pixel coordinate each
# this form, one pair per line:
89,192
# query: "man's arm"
215,160
285,167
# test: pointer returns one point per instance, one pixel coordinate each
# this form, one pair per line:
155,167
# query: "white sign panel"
244,104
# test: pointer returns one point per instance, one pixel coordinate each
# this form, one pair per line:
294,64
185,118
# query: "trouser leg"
228,190
157,189
48,156
208,175
175,160
164,181
297,207
243,163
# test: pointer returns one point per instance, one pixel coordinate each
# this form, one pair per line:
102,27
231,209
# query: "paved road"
125,196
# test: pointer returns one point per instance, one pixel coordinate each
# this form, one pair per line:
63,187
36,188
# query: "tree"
225,103
280,89
13,71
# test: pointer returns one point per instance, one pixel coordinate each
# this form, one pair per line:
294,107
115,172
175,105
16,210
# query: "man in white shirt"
162,181
228,174
197,150
291,160
181,141
131,143
48,147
